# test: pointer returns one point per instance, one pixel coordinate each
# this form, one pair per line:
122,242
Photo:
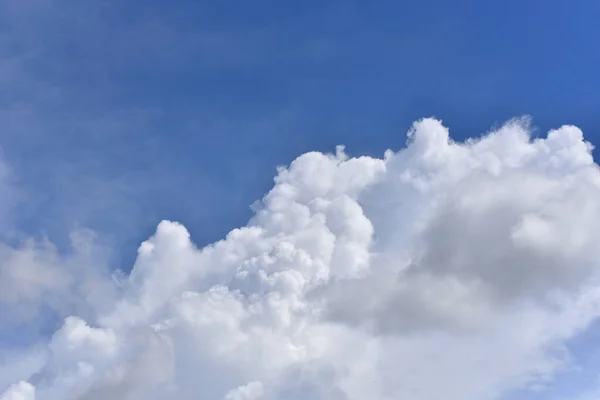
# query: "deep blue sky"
117,114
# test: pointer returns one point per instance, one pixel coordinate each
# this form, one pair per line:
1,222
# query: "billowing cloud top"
444,270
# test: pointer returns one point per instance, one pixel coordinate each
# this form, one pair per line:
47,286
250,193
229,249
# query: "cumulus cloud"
443,270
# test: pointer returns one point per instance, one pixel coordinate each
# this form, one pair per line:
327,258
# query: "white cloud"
445,270
19,391
35,276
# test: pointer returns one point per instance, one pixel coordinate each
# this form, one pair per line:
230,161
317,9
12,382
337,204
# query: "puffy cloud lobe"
251,391
442,270
19,391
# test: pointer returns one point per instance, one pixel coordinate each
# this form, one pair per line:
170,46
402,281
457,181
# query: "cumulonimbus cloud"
443,270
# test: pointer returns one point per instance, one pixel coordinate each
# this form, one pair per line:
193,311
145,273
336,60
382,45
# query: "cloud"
35,276
19,391
443,270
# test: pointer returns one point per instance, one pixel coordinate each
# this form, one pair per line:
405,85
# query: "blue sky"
118,114
160,111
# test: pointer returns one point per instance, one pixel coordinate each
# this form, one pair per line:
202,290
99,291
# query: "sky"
173,204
